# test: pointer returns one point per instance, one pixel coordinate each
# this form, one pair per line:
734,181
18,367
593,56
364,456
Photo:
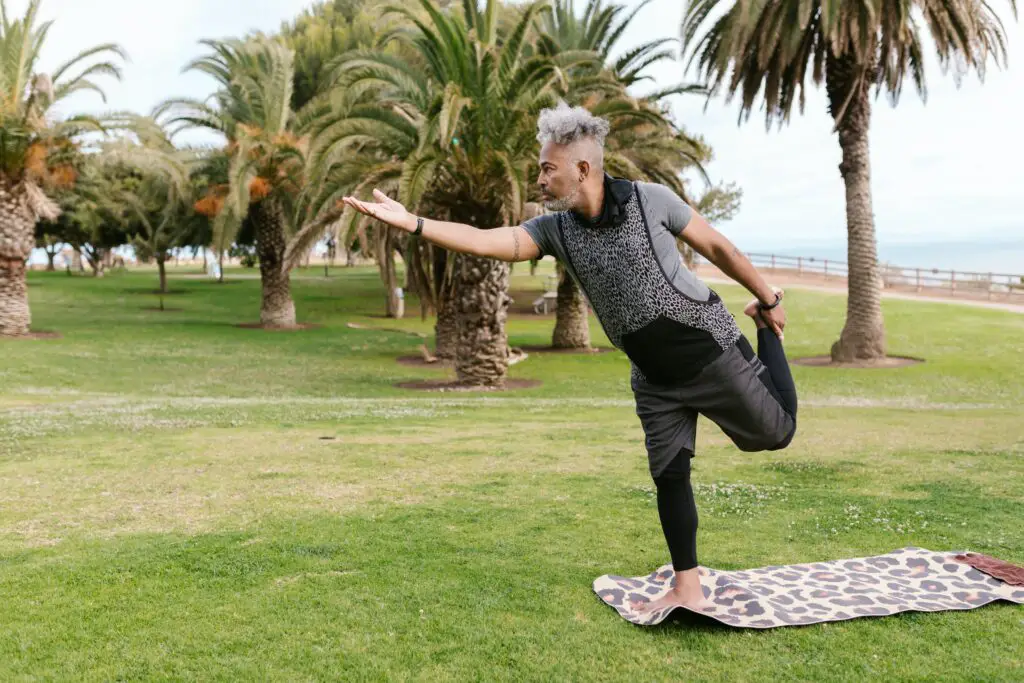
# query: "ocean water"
1005,258
981,257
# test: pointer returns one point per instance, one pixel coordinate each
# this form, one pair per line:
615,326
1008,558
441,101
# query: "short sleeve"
665,203
542,230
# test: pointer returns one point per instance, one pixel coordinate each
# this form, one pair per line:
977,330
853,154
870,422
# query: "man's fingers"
363,207
382,211
357,204
384,199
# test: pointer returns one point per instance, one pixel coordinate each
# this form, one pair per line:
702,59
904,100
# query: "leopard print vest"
668,336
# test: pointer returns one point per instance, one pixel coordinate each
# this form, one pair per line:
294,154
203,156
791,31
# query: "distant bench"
547,302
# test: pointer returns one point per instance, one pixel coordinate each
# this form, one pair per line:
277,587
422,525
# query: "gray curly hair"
565,125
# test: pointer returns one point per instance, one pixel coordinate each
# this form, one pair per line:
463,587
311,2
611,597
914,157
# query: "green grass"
186,499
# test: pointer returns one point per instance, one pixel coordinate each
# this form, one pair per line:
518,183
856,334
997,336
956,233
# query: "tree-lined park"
247,432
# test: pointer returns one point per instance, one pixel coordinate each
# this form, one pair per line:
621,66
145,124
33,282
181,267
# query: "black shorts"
733,391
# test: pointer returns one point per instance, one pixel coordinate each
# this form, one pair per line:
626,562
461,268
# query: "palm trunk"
388,273
417,276
390,278
446,330
15,315
51,256
481,295
162,269
572,322
277,308
863,335
17,238
95,257
446,326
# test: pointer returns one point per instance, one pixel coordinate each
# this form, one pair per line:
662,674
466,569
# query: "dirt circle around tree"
421,362
279,328
589,351
35,335
889,362
394,330
157,292
450,385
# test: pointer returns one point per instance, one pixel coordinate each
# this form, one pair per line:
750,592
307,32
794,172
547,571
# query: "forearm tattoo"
515,242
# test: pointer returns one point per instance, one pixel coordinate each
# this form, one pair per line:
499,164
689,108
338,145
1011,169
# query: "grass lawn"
181,498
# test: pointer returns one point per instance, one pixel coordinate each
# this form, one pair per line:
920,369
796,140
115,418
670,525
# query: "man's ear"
583,168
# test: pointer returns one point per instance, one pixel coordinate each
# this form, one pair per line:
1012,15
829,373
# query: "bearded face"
560,180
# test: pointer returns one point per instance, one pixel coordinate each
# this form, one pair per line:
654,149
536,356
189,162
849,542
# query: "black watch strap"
778,300
419,226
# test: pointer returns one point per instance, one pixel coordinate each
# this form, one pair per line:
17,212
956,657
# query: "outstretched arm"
505,244
716,248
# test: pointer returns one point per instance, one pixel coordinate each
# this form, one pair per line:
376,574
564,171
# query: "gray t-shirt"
667,215
629,267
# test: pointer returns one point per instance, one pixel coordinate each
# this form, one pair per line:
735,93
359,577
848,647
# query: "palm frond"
110,68
414,182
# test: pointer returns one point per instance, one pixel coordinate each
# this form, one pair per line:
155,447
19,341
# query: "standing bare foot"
673,599
686,592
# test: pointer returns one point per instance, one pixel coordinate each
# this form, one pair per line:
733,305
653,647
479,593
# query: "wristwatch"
419,226
778,300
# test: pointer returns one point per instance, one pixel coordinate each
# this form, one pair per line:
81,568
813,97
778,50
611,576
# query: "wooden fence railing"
993,286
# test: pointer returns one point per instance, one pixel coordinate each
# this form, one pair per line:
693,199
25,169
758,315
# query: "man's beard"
564,203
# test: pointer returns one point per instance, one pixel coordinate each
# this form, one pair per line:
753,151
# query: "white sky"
957,177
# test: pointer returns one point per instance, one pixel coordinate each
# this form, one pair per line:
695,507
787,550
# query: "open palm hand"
385,209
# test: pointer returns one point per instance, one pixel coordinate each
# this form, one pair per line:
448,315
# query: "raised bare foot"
753,309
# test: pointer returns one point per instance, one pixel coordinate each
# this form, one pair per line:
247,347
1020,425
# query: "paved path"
797,283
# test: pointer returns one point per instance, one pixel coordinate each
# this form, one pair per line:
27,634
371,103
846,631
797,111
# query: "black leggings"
771,353
676,506
678,511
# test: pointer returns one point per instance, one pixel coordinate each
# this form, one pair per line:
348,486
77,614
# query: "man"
618,240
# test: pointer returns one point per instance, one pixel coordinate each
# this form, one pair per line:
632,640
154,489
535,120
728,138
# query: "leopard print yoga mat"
909,579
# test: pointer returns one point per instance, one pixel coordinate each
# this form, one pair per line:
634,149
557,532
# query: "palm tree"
252,109
320,34
34,148
599,29
774,46
454,130
145,187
